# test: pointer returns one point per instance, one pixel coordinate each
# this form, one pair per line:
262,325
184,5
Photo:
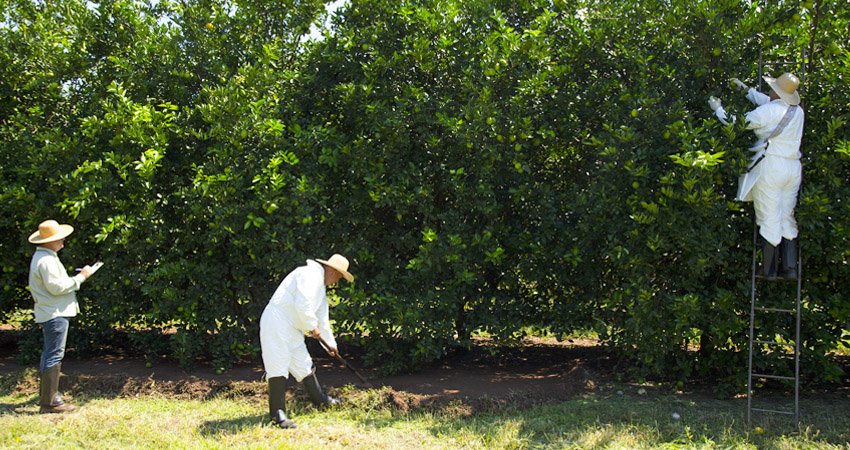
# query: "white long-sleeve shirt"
52,289
764,119
302,302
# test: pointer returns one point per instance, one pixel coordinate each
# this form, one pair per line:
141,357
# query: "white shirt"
301,300
52,289
764,119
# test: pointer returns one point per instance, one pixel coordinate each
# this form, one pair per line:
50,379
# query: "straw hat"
340,264
49,231
785,87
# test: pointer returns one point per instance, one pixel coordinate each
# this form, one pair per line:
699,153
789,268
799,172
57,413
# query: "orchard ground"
543,393
539,370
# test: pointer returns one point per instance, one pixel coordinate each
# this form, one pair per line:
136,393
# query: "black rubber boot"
767,270
277,402
789,259
314,391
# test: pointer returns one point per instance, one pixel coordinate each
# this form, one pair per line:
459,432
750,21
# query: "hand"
333,352
87,272
714,103
740,84
316,333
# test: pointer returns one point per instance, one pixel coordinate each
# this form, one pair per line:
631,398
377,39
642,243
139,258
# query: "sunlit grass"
368,420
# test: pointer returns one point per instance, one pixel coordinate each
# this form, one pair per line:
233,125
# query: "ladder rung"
776,377
790,413
760,308
786,344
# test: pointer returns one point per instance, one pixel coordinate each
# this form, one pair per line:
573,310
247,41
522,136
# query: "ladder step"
780,63
775,377
774,343
790,413
760,308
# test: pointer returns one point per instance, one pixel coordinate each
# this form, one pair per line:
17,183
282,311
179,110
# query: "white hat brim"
64,231
349,277
792,98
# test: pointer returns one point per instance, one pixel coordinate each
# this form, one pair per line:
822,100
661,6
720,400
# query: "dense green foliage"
486,165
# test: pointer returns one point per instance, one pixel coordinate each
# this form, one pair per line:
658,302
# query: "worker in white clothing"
299,306
778,124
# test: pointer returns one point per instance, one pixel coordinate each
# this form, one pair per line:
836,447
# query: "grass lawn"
611,419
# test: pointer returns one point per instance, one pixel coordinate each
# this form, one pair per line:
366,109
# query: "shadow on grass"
233,426
18,384
626,421
599,421
24,408
25,385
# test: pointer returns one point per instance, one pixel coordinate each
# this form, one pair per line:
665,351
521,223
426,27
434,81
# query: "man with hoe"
54,293
299,306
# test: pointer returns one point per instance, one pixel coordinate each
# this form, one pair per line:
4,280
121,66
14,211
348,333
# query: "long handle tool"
342,360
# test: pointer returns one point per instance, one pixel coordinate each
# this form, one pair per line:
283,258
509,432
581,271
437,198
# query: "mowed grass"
368,420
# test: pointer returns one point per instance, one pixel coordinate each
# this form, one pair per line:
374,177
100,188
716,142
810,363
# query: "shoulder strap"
789,113
783,123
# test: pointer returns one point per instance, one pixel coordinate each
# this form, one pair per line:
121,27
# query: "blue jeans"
55,334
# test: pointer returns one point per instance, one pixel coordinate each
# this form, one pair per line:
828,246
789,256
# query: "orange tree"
518,164
488,166
154,128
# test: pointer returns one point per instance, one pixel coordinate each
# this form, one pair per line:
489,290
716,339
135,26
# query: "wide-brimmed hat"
49,231
785,87
340,264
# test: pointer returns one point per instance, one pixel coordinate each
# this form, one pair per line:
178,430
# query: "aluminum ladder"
771,343
760,308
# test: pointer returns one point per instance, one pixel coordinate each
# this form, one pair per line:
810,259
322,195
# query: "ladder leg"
797,336
752,325
799,290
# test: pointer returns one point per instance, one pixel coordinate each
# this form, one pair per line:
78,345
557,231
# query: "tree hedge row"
488,167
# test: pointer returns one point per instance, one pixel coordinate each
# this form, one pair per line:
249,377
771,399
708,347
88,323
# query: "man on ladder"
775,171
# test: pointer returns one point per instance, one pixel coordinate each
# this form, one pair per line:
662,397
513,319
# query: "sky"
331,7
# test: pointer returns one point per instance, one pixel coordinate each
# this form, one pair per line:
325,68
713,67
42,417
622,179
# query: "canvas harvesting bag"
748,179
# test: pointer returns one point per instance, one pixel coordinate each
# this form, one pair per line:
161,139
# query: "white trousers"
775,196
284,350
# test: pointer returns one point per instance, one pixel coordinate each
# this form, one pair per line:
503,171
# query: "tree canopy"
487,166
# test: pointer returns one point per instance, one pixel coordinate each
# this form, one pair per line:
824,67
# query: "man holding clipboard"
54,293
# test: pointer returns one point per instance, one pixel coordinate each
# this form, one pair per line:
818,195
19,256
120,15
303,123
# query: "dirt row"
538,371
528,374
